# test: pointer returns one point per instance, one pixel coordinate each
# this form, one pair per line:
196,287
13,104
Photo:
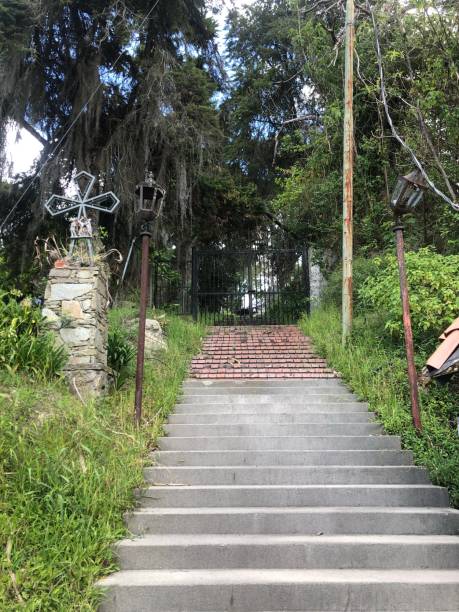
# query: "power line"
69,129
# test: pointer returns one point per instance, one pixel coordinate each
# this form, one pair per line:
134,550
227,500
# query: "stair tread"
204,539
300,510
295,487
280,576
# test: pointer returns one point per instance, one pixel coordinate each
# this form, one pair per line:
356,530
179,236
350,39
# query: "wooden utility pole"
348,169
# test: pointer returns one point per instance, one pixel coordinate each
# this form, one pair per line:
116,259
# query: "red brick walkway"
274,351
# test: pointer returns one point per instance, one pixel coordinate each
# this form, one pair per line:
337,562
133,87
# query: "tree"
123,89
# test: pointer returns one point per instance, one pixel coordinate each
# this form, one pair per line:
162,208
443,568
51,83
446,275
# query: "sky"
22,149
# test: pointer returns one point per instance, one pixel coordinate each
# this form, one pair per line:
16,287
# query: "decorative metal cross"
80,226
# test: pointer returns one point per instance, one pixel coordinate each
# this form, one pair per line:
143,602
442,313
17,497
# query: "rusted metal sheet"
445,360
412,375
348,167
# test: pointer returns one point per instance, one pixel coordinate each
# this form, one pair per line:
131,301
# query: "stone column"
76,302
316,280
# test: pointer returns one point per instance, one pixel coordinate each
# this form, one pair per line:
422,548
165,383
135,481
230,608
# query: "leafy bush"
25,343
120,354
434,293
362,269
376,372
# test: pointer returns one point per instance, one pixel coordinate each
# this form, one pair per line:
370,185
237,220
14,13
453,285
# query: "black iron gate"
263,285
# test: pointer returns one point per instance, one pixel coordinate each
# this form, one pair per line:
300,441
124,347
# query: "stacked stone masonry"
76,302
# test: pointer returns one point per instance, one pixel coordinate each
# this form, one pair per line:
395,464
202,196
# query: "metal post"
348,162
398,230
306,279
250,285
194,283
144,282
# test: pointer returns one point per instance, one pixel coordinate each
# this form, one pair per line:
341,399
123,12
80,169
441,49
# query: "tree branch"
23,123
276,139
395,134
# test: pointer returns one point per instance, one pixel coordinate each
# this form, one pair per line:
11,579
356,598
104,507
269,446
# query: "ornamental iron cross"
80,226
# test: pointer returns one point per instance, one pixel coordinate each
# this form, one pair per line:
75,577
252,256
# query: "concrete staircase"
284,495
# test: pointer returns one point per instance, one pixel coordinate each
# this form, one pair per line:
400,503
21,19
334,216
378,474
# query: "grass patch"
376,371
68,472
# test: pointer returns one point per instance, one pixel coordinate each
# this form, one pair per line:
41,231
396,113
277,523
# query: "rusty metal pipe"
412,376
144,282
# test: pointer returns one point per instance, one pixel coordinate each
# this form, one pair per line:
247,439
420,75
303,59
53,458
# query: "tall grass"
67,475
376,372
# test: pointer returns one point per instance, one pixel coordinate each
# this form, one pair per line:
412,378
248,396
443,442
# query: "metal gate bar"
259,286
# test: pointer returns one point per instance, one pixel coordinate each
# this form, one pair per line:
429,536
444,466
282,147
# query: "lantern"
408,193
149,200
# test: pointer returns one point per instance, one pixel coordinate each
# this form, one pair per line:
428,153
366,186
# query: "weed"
25,344
67,475
376,372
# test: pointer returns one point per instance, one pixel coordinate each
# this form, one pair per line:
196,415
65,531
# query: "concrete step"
246,590
337,442
274,429
276,386
250,418
283,457
247,400
295,520
297,495
285,475
266,551
274,392
275,408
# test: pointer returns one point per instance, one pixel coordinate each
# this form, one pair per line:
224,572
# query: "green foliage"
67,475
434,293
283,50
377,373
363,268
120,355
163,262
228,209
25,345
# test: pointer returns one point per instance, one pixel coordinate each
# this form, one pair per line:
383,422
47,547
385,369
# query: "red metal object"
144,282
412,376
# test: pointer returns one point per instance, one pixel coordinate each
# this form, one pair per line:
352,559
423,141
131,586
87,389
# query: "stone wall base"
88,382
76,303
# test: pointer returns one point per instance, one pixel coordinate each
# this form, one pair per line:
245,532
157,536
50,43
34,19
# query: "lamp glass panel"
398,192
414,199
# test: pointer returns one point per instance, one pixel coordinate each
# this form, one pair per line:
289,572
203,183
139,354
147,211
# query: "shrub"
120,354
434,293
362,269
25,344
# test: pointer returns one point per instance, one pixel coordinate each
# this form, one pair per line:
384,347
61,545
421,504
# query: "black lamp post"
407,194
148,204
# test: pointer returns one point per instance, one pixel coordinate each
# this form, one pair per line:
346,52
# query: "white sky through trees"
22,149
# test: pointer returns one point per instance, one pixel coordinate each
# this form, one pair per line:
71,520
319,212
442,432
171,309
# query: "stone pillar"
316,279
76,302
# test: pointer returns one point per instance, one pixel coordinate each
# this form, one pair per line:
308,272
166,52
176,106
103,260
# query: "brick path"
274,351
